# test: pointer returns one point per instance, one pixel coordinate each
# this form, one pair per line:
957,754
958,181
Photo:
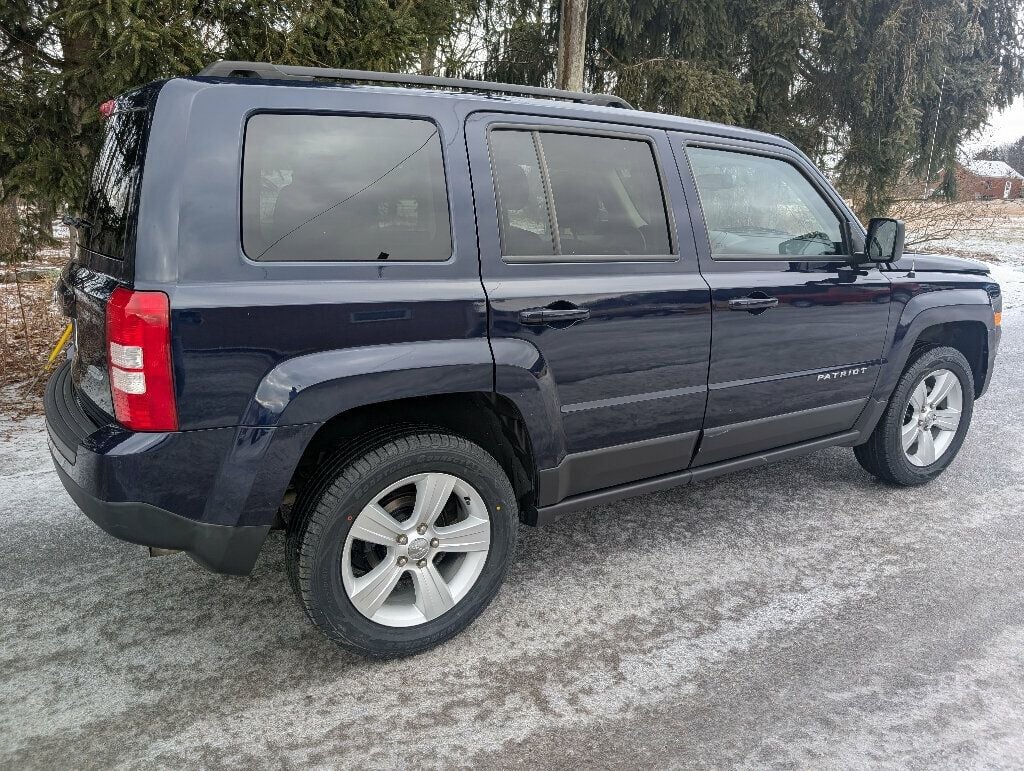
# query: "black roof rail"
226,69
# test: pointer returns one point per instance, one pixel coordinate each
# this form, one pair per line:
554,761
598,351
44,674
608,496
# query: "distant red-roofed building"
978,179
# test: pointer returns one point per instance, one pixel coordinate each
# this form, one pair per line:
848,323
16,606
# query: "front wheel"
923,427
404,546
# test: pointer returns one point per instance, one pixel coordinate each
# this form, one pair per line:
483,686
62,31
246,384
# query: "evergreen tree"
898,84
883,86
60,59
673,57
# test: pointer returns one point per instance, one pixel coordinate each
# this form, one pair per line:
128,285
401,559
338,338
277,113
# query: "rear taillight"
139,360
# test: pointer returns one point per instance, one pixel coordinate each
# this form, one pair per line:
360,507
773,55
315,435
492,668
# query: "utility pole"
572,40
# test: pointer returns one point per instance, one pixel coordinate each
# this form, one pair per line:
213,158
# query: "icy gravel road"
797,615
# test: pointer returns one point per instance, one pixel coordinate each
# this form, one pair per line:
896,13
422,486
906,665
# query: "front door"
584,266
1006,188
797,331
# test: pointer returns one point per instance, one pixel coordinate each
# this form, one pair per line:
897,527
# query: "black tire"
323,517
882,455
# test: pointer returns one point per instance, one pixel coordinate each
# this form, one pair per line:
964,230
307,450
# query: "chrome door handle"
753,303
548,315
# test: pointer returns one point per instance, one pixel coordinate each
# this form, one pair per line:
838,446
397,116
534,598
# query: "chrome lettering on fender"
836,374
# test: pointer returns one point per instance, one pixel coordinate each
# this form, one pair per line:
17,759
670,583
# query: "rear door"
581,259
797,330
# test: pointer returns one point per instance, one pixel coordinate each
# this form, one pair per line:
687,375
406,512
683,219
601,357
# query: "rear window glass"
343,188
111,203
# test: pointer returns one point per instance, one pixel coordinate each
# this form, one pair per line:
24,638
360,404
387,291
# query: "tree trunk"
9,231
572,40
428,58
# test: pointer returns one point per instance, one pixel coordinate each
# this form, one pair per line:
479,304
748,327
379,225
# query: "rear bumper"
212,493
221,548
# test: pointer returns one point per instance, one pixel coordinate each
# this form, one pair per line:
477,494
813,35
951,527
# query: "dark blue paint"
661,377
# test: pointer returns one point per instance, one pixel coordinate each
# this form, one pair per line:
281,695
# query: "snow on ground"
1011,280
992,231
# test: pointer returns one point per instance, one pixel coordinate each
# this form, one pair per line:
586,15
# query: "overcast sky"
1007,126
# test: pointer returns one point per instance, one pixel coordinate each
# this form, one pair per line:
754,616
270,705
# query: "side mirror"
884,242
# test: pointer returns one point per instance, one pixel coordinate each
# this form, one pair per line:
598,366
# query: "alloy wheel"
932,417
416,549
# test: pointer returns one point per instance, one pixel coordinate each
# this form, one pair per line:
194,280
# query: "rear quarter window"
343,188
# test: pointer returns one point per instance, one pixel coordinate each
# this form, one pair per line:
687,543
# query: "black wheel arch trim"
320,386
932,309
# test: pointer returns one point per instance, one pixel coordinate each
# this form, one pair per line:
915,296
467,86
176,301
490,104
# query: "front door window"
761,208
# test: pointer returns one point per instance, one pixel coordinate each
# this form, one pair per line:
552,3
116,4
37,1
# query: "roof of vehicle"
496,96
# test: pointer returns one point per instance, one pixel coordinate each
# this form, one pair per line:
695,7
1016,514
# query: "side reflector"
997,318
139,360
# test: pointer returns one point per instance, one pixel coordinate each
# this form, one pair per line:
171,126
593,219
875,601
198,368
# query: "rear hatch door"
105,257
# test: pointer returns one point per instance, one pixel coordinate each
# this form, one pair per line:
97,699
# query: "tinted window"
761,207
326,187
522,205
111,203
605,195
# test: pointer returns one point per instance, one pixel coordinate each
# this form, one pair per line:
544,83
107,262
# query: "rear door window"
520,190
343,188
578,195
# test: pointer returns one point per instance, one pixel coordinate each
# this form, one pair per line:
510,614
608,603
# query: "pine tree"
60,59
886,87
897,85
670,56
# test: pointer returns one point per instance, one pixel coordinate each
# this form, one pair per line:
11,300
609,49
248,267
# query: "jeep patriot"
398,316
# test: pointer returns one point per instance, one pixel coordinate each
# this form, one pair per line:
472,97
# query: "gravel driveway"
797,615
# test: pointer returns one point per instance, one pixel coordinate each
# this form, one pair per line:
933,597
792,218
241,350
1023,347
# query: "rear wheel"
923,427
401,548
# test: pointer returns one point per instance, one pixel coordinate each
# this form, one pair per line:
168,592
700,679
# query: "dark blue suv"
398,321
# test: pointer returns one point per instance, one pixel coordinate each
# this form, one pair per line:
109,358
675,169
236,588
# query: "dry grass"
29,326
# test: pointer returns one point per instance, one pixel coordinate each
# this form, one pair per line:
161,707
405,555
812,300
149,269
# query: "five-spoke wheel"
416,549
932,417
400,548
926,419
